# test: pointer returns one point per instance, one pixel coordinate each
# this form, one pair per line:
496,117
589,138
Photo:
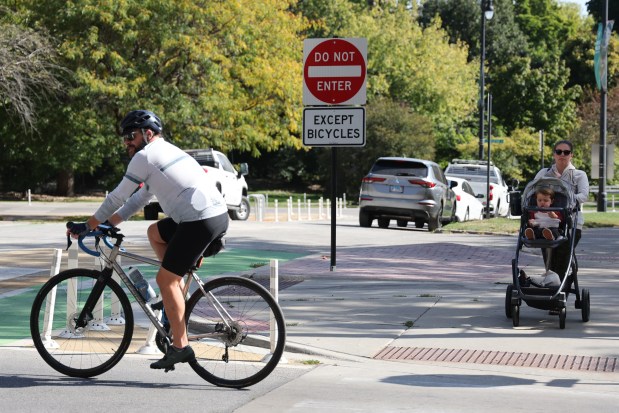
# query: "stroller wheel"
585,305
508,301
516,315
562,316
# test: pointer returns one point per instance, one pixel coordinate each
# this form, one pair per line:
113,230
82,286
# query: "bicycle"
231,321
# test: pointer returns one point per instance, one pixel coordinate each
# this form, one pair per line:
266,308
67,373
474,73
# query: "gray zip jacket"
578,181
183,190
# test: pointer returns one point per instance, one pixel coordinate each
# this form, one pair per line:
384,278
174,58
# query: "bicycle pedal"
169,369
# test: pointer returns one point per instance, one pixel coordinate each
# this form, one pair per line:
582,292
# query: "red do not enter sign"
334,71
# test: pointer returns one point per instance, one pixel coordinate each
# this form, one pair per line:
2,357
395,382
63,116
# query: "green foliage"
534,94
518,156
221,74
228,74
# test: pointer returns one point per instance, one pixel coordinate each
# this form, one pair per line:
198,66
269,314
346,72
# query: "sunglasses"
563,152
129,136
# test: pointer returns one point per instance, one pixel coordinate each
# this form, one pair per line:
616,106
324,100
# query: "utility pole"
603,102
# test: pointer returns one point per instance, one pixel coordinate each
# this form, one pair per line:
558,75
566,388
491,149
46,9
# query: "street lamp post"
487,12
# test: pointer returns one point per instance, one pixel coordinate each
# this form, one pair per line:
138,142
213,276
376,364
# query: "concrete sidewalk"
414,321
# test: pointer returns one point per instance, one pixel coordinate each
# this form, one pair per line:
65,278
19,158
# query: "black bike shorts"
188,240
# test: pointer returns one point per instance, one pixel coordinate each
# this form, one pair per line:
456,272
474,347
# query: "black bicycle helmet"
140,119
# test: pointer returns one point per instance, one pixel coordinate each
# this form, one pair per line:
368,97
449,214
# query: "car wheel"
402,223
365,219
434,224
419,223
242,213
453,217
151,212
383,222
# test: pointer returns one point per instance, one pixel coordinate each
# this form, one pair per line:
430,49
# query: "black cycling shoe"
174,356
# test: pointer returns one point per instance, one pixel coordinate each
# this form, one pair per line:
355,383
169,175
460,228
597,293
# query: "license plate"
396,188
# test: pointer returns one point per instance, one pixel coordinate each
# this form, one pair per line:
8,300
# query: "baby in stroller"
544,224
546,205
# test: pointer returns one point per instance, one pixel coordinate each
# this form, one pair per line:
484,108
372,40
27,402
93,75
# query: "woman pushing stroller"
552,203
563,169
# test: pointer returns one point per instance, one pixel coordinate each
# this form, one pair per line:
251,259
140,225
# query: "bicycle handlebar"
102,231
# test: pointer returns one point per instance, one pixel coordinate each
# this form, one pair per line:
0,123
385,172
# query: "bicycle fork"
86,314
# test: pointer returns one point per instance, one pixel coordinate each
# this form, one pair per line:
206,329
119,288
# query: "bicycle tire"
249,358
83,352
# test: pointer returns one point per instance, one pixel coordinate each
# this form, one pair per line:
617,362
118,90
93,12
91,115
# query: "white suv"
228,181
476,173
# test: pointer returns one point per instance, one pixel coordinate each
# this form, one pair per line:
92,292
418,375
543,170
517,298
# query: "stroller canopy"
564,196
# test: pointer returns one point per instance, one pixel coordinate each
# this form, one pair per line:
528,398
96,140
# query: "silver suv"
406,189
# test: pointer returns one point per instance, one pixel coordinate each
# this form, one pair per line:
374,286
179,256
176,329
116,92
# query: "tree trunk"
65,183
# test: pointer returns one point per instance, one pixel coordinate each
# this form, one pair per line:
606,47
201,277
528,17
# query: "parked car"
476,173
468,204
228,181
406,189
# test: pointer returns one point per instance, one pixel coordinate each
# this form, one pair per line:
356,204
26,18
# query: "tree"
518,155
28,72
595,8
588,131
533,94
221,74
462,20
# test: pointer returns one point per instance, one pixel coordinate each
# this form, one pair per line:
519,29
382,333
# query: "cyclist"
196,215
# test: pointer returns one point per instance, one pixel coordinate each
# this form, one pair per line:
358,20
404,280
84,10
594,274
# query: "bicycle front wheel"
80,351
236,330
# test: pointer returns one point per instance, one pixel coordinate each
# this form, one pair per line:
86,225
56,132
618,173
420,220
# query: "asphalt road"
449,287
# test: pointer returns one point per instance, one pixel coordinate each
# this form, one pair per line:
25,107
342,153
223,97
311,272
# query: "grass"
510,226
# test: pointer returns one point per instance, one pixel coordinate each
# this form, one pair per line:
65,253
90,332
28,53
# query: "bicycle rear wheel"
235,351
75,351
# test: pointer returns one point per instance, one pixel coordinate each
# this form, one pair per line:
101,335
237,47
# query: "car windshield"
399,168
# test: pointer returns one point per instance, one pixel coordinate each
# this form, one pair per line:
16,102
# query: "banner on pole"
600,60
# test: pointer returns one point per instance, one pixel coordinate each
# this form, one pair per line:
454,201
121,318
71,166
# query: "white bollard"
50,303
116,317
289,209
320,208
309,209
328,214
299,208
276,211
97,322
72,262
29,198
344,200
149,346
274,289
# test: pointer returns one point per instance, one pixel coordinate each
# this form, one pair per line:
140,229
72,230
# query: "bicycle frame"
112,265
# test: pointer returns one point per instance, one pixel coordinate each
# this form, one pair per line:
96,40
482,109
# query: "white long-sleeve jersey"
177,180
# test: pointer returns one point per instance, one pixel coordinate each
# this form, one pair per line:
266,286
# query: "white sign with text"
334,126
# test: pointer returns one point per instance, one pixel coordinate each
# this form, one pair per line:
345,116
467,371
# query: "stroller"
548,291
